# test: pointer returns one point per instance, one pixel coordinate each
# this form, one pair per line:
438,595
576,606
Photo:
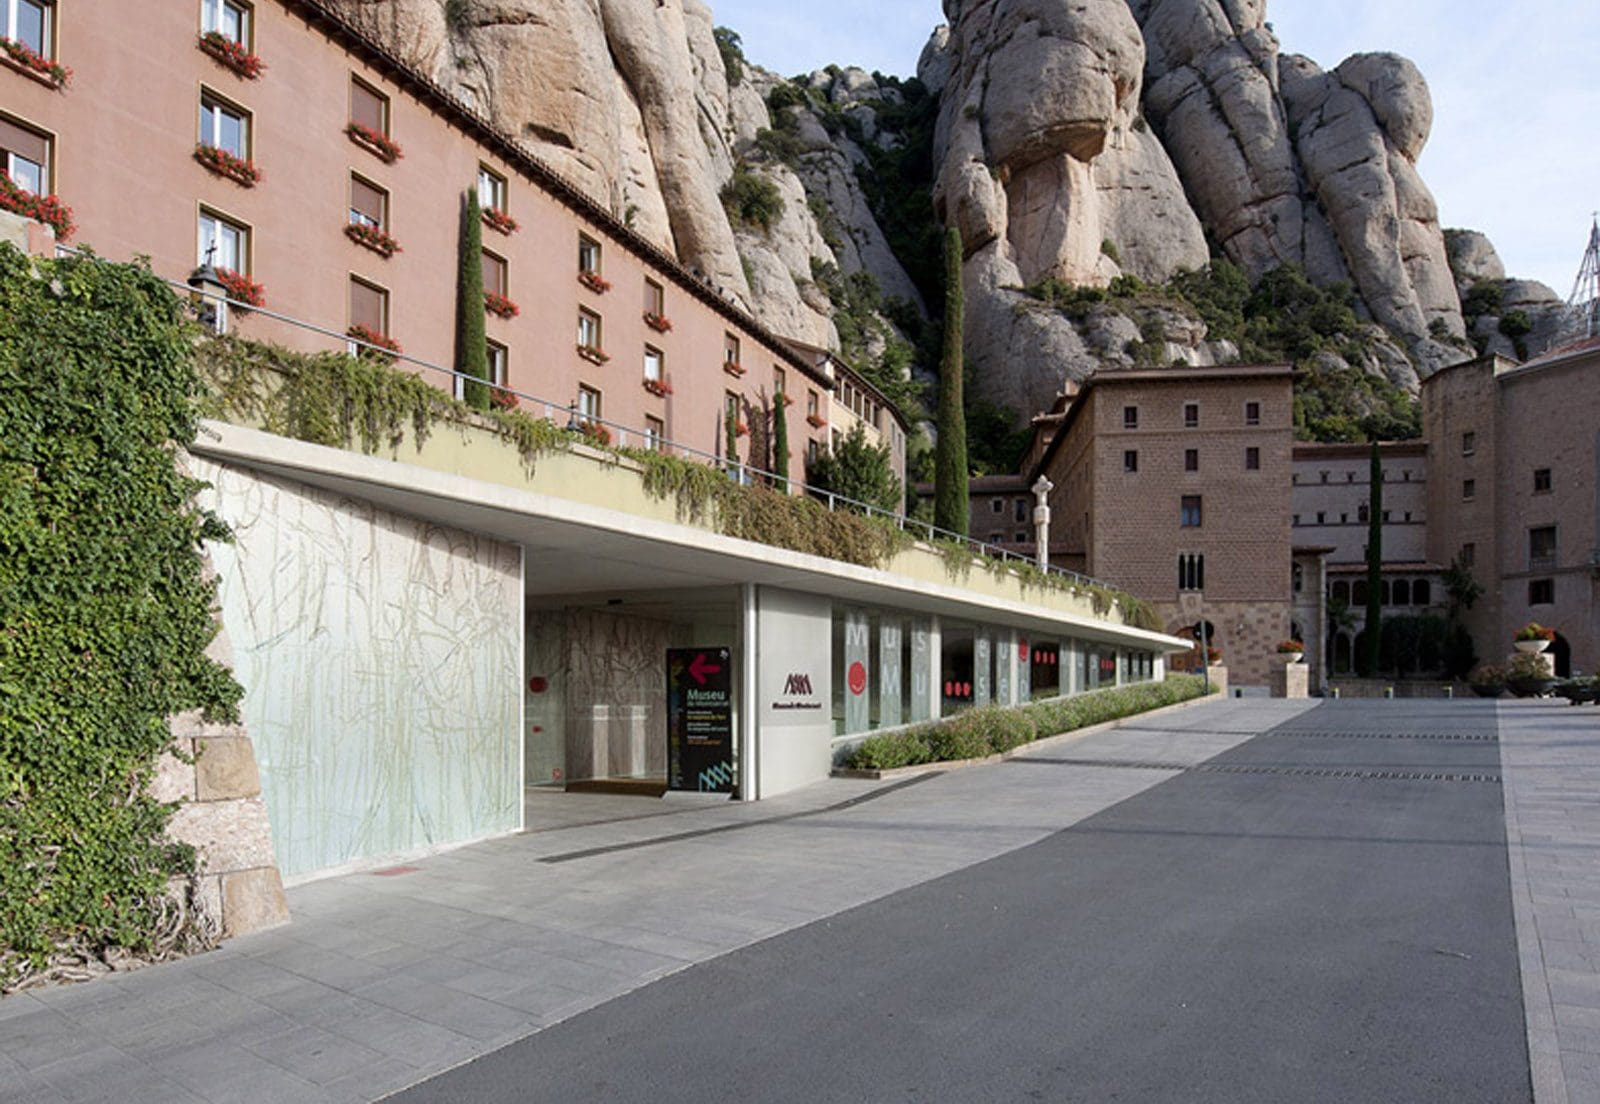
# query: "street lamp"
209,299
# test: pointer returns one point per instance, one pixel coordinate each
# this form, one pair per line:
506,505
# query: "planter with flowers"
46,209
1488,681
223,163
372,337
502,399
385,147
495,303
741,430
1529,676
22,56
594,282
241,289
373,238
1291,650
658,387
1533,638
815,421
733,368
496,219
232,54
592,354
660,323
596,434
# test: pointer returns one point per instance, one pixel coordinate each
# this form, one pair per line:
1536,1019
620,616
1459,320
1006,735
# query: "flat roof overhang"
577,549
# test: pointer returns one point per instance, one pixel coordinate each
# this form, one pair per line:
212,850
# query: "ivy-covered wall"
105,615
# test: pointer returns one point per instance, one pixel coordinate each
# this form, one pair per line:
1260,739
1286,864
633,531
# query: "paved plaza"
1228,901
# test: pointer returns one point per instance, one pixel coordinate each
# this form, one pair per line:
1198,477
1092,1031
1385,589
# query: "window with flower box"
588,256
369,204
369,121
589,337
494,274
730,355
655,307
223,243
27,38
25,156
588,405
654,368
224,126
369,309
228,18
491,189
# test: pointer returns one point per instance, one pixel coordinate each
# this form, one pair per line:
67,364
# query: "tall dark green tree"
780,440
472,348
1372,638
950,502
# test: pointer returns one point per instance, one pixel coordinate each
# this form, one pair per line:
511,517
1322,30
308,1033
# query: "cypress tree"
730,431
950,503
780,441
1374,627
472,349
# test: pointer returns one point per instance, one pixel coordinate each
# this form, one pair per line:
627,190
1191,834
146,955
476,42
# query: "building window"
780,381
225,17
996,506
588,330
588,255
1421,593
655,298
588,404
652,364
496,355
1324,476
1022,537
495,276
25,156
369,306
655,433
1252,413
1130,460
1541,592
1386,517
1541,481
224,126
223,244
1542,546
1130,417
491,189
1363,514
1469,489
1400,593
811,406
1322,517
1191,460
813,452
369,204
1469,444
1469,553
1252,459
1191,571
1297,578
369,107
730,349
1189,512
1191,415
27,22
1295,520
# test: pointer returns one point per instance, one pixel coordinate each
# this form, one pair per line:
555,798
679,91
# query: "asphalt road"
1259,929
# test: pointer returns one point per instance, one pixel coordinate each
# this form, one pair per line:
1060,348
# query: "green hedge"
994,729
104,612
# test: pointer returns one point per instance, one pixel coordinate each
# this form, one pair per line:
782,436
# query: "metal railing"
746,474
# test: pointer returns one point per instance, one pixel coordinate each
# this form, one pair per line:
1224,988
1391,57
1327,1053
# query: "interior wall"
381,660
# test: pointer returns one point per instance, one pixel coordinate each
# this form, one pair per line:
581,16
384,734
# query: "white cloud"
1515,92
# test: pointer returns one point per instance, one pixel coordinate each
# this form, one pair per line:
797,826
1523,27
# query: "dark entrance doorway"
1561,655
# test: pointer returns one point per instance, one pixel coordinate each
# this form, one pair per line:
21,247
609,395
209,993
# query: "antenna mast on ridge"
1583,308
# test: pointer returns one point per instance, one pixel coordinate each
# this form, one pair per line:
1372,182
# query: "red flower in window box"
741,430
594,282
373,337
495,303
497,219
241,288
36,63
373,238
660,323
502,399
223,163
597,434
46,209
232,54
658,387
592,354
733,368
384,146
815,421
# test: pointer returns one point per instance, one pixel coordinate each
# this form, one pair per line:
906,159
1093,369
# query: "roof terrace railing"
577,421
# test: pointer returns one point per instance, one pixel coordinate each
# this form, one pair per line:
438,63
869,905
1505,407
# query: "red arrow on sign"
699,669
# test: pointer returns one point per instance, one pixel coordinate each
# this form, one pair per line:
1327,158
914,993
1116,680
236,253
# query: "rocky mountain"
1134,181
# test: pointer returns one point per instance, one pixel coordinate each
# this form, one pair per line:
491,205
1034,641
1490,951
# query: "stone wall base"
1292,680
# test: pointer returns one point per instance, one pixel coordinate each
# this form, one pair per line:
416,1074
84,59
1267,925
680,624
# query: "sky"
1515,150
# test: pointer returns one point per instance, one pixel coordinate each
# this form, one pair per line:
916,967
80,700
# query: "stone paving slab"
1550,763
381,982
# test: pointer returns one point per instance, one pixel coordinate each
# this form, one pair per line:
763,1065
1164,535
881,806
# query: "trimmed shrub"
979,733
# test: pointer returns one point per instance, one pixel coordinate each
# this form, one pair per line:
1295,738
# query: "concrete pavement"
384,982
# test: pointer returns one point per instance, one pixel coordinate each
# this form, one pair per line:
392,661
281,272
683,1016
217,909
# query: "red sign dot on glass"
858,678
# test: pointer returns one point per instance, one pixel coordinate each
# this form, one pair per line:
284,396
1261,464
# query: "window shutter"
366,107
366,306
24,143
367,200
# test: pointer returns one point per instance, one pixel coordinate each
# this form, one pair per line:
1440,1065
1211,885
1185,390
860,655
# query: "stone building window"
1252,459
1191,460
1252,413
1130,417
1469,553
1191,415
1541,592
1130,460
1189,512
1469,489
1541,481
1191,571
1541,547
1469,444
